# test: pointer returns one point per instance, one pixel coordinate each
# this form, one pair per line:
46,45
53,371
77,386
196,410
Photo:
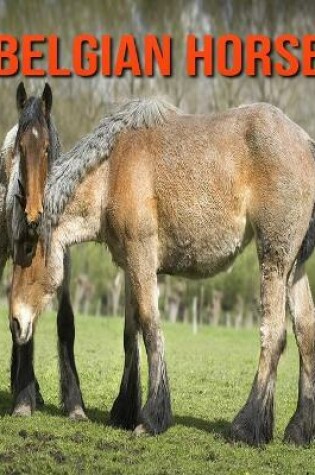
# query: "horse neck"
3,195
5,169
81,220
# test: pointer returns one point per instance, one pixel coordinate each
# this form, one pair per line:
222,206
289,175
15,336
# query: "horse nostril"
33,224
15,328
28,248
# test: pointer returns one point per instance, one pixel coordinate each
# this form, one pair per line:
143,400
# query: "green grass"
210,376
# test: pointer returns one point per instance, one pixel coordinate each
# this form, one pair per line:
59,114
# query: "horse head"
33,151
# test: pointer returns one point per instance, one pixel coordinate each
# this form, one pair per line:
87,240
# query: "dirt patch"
78,438
23,433
44,436
105,445
58,456
6,457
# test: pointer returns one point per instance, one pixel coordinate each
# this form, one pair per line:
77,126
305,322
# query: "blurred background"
231,298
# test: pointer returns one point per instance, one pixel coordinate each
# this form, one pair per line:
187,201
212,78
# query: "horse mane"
9,165
9,143
70,168
5,152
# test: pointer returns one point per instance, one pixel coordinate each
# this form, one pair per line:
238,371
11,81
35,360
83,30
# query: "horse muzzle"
34,221
22,330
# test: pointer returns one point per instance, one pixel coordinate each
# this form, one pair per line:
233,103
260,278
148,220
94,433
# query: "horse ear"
47,98
21,96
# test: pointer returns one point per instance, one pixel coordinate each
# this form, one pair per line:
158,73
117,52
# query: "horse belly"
200,250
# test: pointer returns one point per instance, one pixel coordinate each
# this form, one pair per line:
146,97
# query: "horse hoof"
78,414
140,431
241,434
247,432
22,411
294,434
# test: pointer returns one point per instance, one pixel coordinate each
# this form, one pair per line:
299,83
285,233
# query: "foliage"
94,260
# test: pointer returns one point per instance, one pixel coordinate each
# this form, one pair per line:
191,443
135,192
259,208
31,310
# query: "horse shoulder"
132,206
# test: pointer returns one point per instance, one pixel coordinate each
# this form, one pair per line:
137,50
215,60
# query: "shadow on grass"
98,416
219,427
5,403
94,414
51,409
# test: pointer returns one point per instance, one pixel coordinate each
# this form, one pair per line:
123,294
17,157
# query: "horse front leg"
15,363
71,397
254,423
23,382
156,415
125,412
22,372
300,429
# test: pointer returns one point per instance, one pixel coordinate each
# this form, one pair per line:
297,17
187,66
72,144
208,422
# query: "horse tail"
308,243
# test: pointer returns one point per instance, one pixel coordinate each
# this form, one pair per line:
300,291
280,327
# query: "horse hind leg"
125,412
71,396
300,429
254,423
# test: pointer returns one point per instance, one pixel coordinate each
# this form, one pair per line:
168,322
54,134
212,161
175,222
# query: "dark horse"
28,152
184,194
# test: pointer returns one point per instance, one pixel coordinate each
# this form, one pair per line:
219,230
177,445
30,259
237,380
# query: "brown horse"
29,150
184,194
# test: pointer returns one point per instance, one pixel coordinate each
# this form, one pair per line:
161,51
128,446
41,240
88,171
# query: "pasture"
210,377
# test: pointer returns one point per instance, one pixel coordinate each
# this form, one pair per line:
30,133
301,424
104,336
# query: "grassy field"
210,376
